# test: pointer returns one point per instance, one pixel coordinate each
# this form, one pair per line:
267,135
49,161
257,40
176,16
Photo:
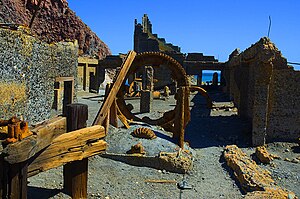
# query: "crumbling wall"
265,90
29,66
284,116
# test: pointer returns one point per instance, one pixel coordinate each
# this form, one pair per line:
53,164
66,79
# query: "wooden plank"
86,60
62,79
102,113
44,133
68,147
122,118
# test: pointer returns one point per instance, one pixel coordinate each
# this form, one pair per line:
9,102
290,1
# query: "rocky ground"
207,133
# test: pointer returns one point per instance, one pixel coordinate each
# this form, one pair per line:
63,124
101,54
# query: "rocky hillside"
54,22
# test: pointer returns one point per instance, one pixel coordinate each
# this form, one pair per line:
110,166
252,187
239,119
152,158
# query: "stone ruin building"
266,91
146,41
261,83
32,71
259,80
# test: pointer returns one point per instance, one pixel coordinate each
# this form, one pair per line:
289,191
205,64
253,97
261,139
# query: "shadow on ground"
41,193
205,130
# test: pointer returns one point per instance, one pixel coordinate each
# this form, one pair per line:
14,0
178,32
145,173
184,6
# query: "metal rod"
293,63
269,26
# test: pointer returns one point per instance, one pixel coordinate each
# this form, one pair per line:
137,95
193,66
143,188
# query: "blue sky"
214,27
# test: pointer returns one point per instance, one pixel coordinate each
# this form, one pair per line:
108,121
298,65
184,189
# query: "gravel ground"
207,133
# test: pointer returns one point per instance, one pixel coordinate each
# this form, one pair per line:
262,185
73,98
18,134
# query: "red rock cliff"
54,22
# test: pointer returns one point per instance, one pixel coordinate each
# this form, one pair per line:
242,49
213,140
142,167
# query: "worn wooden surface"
13,181
76,180
104,110
122,118
69,147
76,172
68,94
113,116
43,134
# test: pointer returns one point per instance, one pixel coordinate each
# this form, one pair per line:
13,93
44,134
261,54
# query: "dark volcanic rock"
54,22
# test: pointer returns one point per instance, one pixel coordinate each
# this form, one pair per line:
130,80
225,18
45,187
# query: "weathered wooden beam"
43,135
13,181
104,110
113,116
86,60
75,145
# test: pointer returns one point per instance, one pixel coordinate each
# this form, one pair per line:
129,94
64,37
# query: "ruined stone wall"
265,91
284,118
28,68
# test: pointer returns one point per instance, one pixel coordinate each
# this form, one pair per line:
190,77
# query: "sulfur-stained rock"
248,173
182,161
253,178
137,149
263,155
276,193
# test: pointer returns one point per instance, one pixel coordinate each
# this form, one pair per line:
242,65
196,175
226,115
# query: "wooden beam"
62,79
68,147
43,134
104,110
86,60
113,116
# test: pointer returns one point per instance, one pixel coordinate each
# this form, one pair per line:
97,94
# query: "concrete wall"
28,68
266,91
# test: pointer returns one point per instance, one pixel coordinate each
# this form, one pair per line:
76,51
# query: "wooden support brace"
122,118
103,112
113,116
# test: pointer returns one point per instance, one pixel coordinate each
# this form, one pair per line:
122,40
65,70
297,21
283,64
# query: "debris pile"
253,178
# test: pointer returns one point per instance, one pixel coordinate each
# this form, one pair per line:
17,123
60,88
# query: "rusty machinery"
174,120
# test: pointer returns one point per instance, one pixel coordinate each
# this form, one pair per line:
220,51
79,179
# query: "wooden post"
68,94
179,123
13,181
76,173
